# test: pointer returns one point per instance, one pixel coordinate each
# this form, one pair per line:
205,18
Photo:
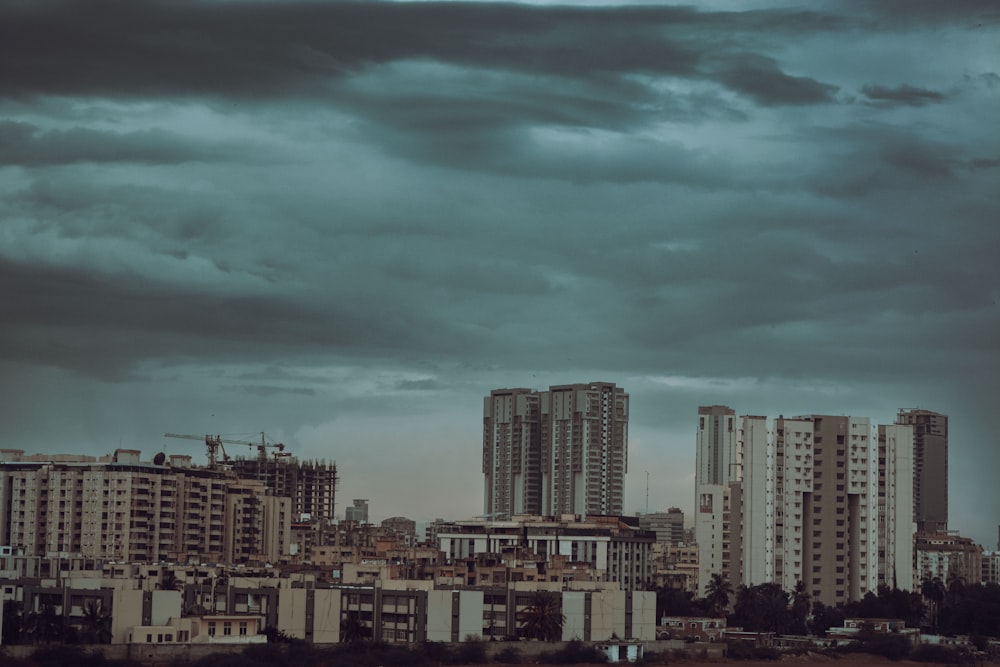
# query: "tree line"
953,609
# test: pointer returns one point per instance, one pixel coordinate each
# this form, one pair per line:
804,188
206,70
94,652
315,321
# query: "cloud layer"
344,223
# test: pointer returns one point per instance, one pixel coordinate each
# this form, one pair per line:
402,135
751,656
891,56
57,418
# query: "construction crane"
214,444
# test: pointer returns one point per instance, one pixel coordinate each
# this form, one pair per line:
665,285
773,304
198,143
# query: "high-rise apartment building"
930,468
719,462
121,508
825,500
561,451
512,452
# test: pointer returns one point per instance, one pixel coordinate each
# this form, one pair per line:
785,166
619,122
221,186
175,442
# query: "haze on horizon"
344,223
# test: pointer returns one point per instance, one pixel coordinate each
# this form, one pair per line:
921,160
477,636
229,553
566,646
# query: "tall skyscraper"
561,451
930,468
825,500
719,462
512,446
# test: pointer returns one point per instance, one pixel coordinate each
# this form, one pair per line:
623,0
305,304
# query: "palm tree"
96,625
352,630
934,591
717,594
543,619
801,602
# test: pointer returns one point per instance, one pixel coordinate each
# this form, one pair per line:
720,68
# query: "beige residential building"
824,500
561,451
611,549
121,508
948,557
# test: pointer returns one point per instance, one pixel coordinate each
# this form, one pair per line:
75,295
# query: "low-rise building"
614,548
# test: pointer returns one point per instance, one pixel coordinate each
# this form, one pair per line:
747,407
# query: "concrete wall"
574,609
644,615
607,615
292,612
326,616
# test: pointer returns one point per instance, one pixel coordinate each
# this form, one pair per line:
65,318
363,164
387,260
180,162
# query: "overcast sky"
343,224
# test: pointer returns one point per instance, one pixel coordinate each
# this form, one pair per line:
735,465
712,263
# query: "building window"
243,628
211,628
227,628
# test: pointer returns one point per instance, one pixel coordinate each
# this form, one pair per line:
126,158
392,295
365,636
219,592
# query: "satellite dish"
159,458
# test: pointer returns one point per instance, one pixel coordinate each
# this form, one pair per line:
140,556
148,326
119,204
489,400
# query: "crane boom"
214,444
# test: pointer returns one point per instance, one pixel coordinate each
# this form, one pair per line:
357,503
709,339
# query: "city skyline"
343,224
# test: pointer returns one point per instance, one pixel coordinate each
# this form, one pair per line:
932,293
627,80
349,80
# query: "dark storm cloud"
27,145
257,51
327,218
78,319
903,94
267,390
761,78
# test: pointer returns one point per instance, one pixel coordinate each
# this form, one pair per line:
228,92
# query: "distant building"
122,508
930,468
401,525
614,550
991,567
312,485
825,500
668,526
358,511
719,462
948,557
561,451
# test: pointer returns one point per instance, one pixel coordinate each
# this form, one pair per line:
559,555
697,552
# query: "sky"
343,223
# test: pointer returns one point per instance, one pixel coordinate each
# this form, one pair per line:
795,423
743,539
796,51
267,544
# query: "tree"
96,625
352,630
717,594
674,602
800,609
170,582
824,618
543,619
933,591
43,626
762,608
13,626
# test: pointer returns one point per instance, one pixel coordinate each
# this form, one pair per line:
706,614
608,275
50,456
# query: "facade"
358,511
826,500
718,466
668,526
120,508
930,468
222,606
512,453
948,557
607,548
990,567
561,451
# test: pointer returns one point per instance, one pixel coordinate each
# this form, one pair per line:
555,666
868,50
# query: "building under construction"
312,485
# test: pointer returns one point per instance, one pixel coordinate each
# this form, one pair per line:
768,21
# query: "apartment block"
719,462
930,468
561,451
948,557
822,499
120,508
